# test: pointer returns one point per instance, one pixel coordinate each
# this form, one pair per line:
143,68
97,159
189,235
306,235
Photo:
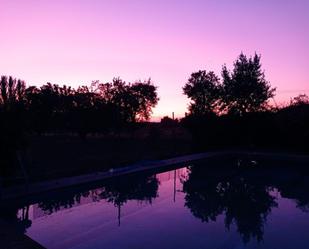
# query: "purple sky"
76,41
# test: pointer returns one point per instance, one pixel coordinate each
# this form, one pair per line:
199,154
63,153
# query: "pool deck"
11,239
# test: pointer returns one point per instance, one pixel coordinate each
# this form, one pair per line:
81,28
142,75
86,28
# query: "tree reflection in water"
243,201
138,187
244,196
135,188
143,188
297,189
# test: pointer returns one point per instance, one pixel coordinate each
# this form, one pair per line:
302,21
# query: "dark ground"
57,155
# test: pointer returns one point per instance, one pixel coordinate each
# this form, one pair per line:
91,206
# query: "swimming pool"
192,206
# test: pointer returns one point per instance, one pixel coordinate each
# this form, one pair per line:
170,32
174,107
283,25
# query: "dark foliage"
169,122
236,113
286,128
204,90
100,108
245,89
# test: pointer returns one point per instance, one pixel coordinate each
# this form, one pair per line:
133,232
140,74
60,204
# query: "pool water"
189,207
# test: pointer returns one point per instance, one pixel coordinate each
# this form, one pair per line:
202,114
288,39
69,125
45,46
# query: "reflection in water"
140,188
245,198
117,192
244,202
297,190
137,188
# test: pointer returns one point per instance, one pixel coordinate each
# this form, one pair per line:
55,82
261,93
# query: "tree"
12,125
245,89
12,91
145,98
204,91
301,99
135,101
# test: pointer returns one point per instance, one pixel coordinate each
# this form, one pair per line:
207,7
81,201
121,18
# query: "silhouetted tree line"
102,107
234,111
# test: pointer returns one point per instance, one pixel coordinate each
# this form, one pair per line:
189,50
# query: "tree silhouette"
293,124
134,101
245,89
301,99
12,92
145,98
89,109
12,122
204,90
100,108
224,114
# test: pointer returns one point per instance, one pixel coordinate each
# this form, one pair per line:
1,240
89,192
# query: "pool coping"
45,186
12,239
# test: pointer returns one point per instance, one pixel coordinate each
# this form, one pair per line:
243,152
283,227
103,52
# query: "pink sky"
76,41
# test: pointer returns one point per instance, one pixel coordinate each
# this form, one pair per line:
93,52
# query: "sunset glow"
76,41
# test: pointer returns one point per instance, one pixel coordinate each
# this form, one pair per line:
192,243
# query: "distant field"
58,155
